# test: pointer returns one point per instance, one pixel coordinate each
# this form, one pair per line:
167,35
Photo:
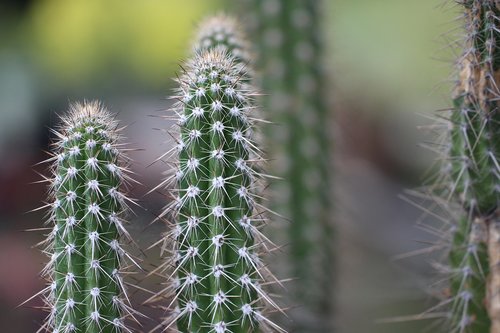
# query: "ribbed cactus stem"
469,269
218,272
87,291
474,171
290,50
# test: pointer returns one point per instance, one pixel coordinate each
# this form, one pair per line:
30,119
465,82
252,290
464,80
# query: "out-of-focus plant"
79,39
289,47
224,31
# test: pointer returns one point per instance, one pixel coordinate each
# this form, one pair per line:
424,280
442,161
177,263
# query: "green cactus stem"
290,72
87,291
473,174
218,275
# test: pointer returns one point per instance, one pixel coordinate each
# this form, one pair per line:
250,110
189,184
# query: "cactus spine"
218,275
86,290
473,172
291,74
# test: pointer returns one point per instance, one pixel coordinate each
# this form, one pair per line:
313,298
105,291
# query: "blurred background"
390,62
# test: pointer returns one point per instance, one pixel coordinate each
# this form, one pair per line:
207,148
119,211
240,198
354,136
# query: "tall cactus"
86,291
218,275
290,50
472,174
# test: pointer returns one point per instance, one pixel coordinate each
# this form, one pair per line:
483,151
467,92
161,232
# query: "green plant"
86,291
224,31
471,175
289,48
218,275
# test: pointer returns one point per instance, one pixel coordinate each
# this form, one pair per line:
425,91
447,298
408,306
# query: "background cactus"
471,176
86,291
289,48
218,275
225,31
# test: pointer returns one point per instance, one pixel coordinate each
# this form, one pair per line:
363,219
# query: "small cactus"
289,67
86,291
218,275
471,174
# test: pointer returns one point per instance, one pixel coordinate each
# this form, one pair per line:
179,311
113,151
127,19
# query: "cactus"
218,274
86,291
222,30
471,174
290,66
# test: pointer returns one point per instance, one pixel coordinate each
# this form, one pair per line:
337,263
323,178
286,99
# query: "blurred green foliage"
384,48
393,50
79,39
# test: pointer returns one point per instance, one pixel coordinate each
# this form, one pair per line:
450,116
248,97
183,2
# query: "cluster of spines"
86,291
218,275
291,73
470,181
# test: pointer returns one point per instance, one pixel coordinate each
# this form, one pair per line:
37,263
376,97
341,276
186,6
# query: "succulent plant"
290,72
86,291
218,277
471,176
469,268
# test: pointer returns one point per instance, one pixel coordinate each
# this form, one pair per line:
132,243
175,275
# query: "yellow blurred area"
398,51
77,39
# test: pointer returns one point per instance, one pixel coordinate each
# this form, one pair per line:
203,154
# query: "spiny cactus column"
87,291
293,78
474,173
218,273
